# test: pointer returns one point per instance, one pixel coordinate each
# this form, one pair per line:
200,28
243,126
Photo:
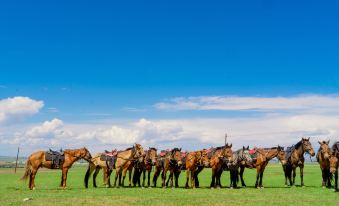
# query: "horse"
193,161
124,157
218,157
241,157
295,158
145,166
323,158
334,163
38,159
169,162
262,157
96,164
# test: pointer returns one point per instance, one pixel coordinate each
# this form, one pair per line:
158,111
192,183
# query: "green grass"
13,191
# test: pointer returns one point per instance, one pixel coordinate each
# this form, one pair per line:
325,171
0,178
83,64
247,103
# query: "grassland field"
13,191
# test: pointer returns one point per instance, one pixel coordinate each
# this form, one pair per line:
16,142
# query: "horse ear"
180,149
248,147
328,142
320,142
308,139
243,147
230,145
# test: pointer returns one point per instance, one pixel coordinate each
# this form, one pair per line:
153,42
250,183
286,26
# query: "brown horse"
97,164
218,157
124,158
169,162
37,160
193,161
149,161
295,158
323,158
334,163
262,157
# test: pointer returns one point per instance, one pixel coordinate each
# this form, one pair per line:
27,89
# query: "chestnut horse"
170,162
37,160
262,157
123,160
219,157
193,161
149,161
323,158
295,158
334,163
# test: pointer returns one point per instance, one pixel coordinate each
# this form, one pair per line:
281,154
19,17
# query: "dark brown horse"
123,160
193,161
218,158
261,158
38,159
169,162
323,158
146,165
295,158
334,163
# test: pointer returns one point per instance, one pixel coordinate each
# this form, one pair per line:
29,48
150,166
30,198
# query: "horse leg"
155,177
130,177
196,176
335,181
121,184
148,178
261,176
172,176
294,174
193,178
109,172
177,174
187,177
169,178
164,178
257,179
116,177
64,177
242,169
213,179
323,176
32,179
217,176
302,175
97,169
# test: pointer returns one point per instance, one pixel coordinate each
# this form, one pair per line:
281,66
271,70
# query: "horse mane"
296,146
175,150
221,147
129,148
335,146
152,148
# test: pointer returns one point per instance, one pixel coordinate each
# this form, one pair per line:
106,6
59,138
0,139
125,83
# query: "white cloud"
187,133
17,108
302,103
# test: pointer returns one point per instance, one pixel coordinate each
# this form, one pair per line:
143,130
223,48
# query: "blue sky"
115,60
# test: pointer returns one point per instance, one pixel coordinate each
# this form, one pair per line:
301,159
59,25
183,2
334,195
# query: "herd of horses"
141,162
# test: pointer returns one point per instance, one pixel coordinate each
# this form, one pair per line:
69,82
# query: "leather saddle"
57,158
110,158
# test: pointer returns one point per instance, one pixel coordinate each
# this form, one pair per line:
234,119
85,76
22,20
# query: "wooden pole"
16,162
225,138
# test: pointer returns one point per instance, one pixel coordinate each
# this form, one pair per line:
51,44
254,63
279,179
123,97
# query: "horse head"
227,152
152,155
85,154
324,149
281,155
307,146
176,156
245,156
204,160
138,152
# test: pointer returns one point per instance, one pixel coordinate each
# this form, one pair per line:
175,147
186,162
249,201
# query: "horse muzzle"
333,170
283,162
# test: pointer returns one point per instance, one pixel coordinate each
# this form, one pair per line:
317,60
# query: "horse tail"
28,170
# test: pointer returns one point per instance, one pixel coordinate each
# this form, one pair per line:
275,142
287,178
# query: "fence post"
16,161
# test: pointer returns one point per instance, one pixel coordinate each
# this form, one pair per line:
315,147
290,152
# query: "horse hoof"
212,188
33,188
286,185
258,187
334,190
231,188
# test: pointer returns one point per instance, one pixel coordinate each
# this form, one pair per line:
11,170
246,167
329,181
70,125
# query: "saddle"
56,157
163,153
110,158
289,151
